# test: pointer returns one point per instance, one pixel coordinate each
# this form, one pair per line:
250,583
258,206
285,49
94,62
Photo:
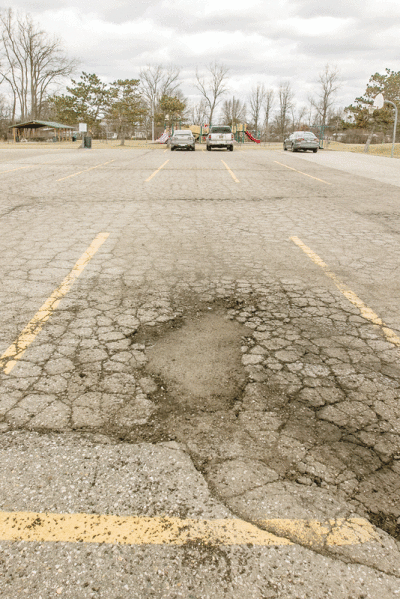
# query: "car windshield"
220,130
182,135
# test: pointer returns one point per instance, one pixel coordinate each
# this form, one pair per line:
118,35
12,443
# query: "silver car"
183,139
301,141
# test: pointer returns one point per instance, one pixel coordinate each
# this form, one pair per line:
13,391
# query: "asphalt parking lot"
199,374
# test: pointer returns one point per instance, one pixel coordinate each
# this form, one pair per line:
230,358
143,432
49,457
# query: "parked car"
183,139
301,140
220,137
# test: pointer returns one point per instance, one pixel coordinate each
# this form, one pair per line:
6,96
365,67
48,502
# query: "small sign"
82,128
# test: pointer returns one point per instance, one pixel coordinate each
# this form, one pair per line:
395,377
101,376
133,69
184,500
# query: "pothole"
286,384
295,388
200,363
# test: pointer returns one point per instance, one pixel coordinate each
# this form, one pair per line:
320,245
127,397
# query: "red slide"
250,136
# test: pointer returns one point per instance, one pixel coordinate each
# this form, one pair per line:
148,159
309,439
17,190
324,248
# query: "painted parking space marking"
15,352
84,170
128,530
301,172
230,172
18,169
365,311
156,171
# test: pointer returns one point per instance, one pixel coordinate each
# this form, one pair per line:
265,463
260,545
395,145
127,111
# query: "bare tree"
268,104
256,103
298,117
213,87
325,99
285,97
157,81
198,112
31,63
310,113
233,111
5,115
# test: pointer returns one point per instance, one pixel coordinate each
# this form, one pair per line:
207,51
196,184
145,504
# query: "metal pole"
152,121
395,124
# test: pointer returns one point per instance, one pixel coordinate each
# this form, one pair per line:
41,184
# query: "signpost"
379,101
83,129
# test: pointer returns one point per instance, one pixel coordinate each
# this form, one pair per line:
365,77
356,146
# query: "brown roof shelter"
26,129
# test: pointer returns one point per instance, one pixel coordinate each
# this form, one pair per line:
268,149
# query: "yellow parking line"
85,170
230,172
165,150
155,172
301,172
94,528
18,169
365,311
34,326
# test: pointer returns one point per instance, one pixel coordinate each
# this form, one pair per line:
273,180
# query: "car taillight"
232,136
209,137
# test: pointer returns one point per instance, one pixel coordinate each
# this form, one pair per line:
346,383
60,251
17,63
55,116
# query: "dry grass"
374,149
116,144
96,145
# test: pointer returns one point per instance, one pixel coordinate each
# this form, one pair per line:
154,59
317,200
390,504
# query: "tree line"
34,68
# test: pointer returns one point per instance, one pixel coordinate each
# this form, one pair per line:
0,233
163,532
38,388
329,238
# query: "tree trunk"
211,116
366,147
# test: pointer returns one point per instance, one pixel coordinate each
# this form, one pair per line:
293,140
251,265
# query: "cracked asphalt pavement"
201,367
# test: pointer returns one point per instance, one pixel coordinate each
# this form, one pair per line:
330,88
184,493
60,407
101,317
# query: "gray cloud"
261,41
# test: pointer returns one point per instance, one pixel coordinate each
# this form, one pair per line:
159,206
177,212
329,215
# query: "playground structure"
200,132
250,136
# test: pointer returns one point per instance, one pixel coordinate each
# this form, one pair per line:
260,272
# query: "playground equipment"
250,136
163,138
200,133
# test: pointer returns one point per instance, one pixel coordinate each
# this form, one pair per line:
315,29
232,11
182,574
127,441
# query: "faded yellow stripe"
231,173
20,168
85,170
34,326
94,528
155,172
301,172
341,531
365,311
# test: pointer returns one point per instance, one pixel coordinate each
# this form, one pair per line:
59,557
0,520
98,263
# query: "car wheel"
208,148
172,148
193,148
284,147
231,148
315,151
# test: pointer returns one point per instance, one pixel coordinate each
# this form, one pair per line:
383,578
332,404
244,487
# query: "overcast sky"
262,41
